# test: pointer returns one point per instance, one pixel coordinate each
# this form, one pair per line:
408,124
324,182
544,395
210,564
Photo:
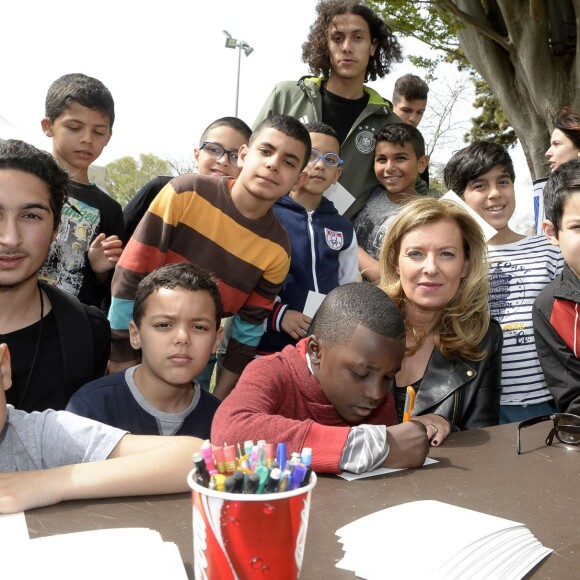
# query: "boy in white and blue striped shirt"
520,267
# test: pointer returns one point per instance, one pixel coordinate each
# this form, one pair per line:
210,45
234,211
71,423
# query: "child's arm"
138,465
104,253
368,266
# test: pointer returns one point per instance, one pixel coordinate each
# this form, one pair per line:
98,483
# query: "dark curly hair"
315,49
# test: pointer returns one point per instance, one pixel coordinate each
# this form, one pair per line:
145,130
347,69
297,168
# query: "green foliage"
433,23
125,176
491,124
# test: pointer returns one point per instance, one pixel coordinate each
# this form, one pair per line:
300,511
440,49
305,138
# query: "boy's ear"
422,163
242,154
134,337
550,232
218,338
313,348
46,125
300,182
337,175
374,45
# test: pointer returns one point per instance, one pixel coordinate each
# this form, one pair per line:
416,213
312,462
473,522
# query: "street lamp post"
240,45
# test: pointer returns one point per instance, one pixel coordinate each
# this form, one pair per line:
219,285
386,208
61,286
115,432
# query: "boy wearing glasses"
324,246
227,227
399,158
216,155
556,309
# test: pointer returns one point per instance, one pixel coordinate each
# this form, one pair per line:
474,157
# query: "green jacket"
302,100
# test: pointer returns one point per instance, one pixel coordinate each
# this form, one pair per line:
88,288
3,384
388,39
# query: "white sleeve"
348,260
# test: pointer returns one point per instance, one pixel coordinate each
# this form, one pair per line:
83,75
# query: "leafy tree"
125,176
525,50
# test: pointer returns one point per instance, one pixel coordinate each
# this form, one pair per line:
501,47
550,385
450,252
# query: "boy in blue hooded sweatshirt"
324,246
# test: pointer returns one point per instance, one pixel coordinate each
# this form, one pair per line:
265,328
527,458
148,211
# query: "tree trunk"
529,81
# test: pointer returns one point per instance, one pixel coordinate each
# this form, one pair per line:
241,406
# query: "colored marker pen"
285,477
306,456
297,476
251,483
220,480
307,476
264,473
220,459
201,474
273,480
281,455
270,454
239,479
207,453
229,484
230,457
248,447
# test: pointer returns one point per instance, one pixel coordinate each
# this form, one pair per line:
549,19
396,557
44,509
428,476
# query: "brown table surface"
477,469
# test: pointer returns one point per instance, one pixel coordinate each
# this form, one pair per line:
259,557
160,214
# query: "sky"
169,71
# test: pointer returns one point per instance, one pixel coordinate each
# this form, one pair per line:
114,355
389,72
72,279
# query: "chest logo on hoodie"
365,140
335,240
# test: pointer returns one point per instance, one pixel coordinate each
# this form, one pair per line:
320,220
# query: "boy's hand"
296,324
408,445
25,490
104,253
5,368
438,427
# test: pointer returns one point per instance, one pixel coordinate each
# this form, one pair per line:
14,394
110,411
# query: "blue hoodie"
324,256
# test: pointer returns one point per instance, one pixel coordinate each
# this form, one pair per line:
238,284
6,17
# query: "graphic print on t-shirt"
66,260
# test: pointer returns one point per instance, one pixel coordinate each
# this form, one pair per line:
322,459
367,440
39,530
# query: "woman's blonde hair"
465,318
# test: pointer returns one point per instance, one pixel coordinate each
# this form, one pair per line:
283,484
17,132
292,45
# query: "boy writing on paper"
176,325
53,456
324,247
331,392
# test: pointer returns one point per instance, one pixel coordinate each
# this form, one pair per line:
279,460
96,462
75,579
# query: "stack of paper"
112,554
430,539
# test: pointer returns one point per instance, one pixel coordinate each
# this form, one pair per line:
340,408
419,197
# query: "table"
477,469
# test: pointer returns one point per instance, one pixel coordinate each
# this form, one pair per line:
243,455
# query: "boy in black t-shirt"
79,118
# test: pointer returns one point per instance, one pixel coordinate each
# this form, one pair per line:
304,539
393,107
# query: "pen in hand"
409,404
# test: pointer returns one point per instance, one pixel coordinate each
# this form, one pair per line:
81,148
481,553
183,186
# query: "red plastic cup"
237,536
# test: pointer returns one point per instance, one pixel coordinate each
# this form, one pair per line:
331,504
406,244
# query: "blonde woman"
433,265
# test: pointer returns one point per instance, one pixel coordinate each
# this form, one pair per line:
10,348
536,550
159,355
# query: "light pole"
240,45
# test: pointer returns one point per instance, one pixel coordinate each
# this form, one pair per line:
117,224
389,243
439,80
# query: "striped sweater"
194,219
518,273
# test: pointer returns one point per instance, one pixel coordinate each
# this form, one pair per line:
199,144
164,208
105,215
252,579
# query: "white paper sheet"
468,544
340,197
380,471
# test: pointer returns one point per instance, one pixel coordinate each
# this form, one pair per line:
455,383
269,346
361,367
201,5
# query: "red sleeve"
265,404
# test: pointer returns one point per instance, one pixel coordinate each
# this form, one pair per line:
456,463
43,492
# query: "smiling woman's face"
431,264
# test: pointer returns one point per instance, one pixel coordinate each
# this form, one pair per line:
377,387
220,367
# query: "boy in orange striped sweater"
226,226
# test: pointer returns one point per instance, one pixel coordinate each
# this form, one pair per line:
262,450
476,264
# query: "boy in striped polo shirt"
520,267
226,226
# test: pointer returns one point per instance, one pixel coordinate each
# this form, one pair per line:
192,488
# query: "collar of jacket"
444,376
312,86
326,206
569,289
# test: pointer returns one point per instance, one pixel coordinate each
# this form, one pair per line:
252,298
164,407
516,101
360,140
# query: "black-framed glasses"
217,151
566,428
330,159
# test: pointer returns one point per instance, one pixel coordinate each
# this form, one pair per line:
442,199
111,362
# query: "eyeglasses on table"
566,428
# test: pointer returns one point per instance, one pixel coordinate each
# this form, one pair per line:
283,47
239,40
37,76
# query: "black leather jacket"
465,392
